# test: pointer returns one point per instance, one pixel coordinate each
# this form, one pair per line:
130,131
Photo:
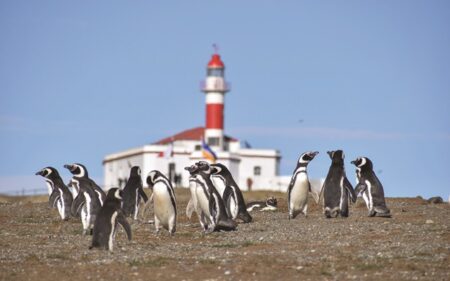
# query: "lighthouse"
215,88
252,168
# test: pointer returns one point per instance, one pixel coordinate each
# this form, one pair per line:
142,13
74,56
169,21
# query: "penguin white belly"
219,185
61,205
193,189
366,199
202,201
164,210
299,193
233,207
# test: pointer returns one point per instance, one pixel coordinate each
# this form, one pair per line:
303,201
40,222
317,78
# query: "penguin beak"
314,153
353,162
69,167
39,173
329,153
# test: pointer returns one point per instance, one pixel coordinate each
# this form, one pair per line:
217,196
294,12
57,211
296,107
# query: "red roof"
216,62
191,134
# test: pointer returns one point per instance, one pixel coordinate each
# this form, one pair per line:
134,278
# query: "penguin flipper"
77,204
227,196
212,208
124,223
360,188
350,190
54,197
142,194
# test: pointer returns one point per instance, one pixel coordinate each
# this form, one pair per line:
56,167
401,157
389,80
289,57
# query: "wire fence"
24,192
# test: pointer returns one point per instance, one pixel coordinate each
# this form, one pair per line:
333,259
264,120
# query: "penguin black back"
133,192
232,193
108,217
337,189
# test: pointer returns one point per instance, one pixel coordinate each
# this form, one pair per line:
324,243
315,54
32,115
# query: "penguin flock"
215,197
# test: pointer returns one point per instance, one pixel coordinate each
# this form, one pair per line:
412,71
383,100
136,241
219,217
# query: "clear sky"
82,79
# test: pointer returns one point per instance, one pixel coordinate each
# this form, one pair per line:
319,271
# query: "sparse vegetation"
36,245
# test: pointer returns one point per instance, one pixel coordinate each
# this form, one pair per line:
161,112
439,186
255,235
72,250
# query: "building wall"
268,171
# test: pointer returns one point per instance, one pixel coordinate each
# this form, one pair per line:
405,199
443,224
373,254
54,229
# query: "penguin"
218,217
81,177
87,205
164,202
89,199
60,195
232,195
336,188
199,196
370,187
109,216
299,187
269,205
133,192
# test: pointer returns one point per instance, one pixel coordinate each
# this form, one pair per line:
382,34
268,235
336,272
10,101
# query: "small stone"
313,251
261,238
429,221
227,272
299,267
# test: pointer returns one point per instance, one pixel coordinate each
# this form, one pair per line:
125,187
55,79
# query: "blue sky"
82,79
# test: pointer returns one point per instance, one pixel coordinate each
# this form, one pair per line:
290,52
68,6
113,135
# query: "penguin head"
191,169
135,171
272,201
77,169
337,156
48,172
218,168
114,194
152,177
363,163
204,167
307,157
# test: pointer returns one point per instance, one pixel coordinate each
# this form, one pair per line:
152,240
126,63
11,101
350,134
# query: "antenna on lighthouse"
216,48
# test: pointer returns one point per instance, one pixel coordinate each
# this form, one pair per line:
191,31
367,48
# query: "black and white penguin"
299,187
337,189
80,177
60,195
232,195
89,199
271,204
109,216
370,187
218,217
164,201
133,192
199,196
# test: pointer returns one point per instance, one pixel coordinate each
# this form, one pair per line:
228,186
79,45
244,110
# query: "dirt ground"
413,245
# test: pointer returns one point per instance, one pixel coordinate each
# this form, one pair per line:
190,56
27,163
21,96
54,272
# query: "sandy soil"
413,245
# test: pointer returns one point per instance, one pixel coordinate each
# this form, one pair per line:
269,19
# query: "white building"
258,168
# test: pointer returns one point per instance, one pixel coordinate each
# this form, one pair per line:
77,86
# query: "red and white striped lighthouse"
215,88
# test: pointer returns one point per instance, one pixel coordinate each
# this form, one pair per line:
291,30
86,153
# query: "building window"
257,170
198,147
214,141
217,72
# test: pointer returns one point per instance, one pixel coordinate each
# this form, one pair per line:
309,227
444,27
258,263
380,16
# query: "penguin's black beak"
314,153
329,153
353,162
69,167
39,173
